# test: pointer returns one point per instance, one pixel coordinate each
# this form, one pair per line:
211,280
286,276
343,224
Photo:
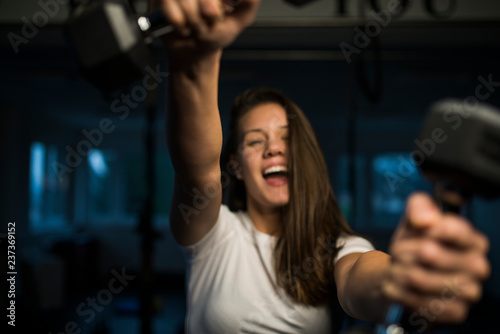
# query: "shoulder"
226,226
352,244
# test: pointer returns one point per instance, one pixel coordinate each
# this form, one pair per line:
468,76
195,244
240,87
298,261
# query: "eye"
255,142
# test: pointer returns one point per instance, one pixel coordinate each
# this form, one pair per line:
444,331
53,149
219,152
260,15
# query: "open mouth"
276,175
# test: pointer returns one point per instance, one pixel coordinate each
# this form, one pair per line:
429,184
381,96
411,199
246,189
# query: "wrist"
194,58
195,65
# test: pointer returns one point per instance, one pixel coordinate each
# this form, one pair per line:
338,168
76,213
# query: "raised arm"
194,133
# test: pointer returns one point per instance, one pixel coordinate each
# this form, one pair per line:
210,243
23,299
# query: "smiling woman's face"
263,155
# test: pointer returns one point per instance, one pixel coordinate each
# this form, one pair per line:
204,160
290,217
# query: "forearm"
361,292
194,131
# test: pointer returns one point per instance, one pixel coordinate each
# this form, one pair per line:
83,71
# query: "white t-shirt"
232,287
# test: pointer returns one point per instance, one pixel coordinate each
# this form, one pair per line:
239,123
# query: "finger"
458,232
446,286
421,212
191,9
212,10
433,254
443,258
432,308
230,5
405,250
242,12
175,15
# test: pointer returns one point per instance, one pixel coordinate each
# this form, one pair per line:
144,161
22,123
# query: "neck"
265,220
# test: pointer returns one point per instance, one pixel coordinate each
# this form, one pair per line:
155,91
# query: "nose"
275,147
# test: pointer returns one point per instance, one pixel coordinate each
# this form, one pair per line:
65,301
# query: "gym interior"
86,179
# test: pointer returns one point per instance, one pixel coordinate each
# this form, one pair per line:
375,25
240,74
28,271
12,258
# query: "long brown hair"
312,220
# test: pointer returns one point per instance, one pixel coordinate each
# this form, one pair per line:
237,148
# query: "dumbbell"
458,150
112,43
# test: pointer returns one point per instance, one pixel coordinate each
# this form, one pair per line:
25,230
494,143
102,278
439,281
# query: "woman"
268,265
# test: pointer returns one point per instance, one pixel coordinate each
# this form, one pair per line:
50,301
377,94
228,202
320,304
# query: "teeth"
275,169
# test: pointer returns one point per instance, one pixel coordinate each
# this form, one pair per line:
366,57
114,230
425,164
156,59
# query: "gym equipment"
113,43
469,155
459,151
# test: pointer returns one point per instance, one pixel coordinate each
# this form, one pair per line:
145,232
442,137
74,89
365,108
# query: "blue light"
98,163
37,172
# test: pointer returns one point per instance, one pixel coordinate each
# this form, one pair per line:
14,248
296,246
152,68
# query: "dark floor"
169,318
97,311
121,316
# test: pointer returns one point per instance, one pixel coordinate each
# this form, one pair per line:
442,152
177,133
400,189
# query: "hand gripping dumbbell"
113,44
458,150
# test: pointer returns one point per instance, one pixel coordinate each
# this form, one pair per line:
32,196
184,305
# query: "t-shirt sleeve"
352,244
221,231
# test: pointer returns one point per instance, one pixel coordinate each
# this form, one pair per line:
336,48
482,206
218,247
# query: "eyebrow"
261,130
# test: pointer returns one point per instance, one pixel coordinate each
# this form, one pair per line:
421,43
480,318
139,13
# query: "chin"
281,197
278,202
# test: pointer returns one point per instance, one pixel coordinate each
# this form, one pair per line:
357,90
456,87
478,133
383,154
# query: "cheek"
250,160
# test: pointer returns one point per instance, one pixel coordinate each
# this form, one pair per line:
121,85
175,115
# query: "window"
382,183
394,177
115,184
107,190
103,186
49,195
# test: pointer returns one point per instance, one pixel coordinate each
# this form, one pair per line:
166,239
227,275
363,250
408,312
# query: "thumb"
421,212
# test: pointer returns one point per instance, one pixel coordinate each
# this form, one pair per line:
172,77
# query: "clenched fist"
439,261
205,25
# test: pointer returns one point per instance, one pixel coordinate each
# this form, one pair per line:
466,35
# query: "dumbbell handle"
392,318
154,25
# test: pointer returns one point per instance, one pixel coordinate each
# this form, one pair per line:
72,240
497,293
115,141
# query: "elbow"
362,308
360,292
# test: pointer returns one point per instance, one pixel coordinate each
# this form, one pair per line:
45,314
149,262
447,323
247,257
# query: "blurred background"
75,176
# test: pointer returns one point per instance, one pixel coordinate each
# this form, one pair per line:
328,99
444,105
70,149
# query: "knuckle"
210,9
427,252
455,313
454,226
480,267
389,290
460,312
468,289
174,16
476,293
177,20
485,271
415,278
397,248
484,242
